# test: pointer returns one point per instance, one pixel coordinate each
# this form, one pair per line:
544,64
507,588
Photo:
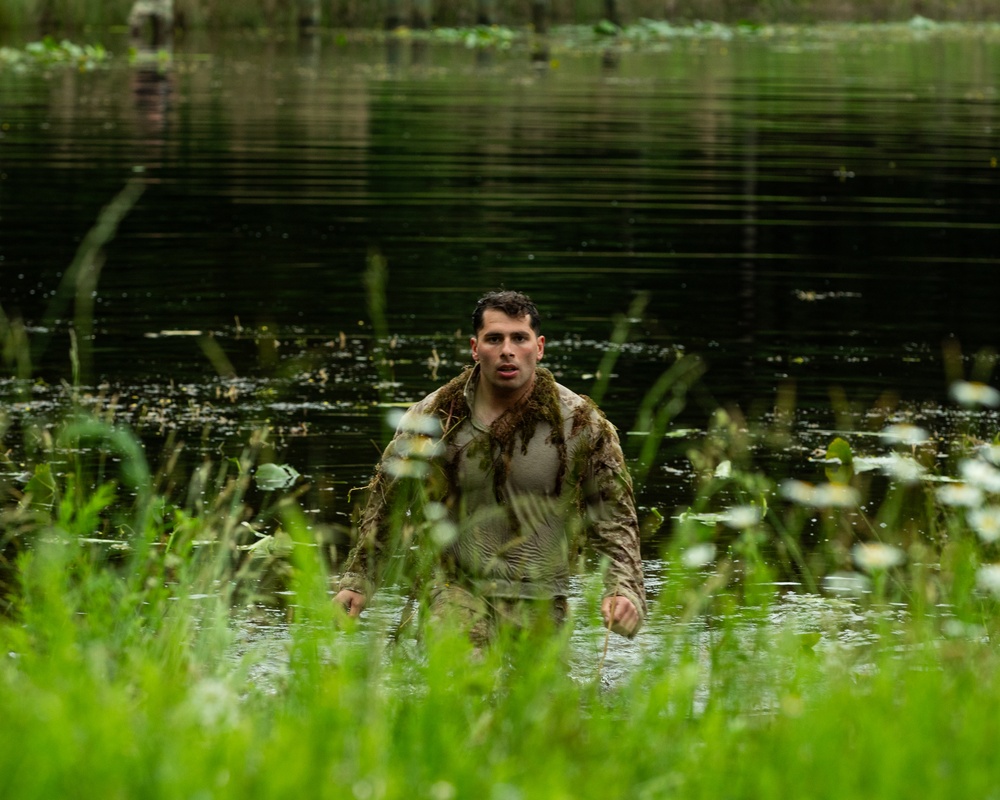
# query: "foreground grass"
131,691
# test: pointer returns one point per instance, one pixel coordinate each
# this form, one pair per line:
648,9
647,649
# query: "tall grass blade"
79,283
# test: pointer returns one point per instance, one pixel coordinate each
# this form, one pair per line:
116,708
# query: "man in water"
519,468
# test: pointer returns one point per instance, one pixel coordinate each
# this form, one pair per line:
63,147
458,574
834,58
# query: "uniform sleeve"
361,570
406,456
609,507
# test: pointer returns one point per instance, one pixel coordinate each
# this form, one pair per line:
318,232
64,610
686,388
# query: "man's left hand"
620,615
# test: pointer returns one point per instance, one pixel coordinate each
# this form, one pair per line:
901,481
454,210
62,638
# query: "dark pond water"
817,209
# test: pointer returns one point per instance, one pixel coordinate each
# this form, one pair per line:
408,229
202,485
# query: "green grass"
132,690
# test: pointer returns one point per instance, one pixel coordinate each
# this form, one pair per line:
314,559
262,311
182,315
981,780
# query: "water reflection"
152,85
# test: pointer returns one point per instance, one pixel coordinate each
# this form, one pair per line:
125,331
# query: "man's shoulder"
574,402
581,413
445,402
571,400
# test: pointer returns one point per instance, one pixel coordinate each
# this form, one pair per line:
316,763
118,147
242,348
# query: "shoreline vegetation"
47,16
135,659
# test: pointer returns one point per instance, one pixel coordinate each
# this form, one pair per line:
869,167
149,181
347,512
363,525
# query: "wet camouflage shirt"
522,494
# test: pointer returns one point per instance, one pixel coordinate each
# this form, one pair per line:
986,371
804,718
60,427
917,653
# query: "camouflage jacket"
513,502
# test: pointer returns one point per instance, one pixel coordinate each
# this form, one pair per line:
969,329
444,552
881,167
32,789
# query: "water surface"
816,209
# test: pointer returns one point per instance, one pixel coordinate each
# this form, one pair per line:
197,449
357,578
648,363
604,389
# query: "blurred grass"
134,691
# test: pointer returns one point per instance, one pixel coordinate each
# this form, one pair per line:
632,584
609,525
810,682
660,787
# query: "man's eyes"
517,337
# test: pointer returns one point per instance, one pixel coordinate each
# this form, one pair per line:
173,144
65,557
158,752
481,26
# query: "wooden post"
486,12
540,15
421,14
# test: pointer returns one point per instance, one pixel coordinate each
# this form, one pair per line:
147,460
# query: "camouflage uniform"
520,494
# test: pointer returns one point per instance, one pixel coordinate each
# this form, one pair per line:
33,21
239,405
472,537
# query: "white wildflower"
973,393
904,433
960,494
442,790
444,532
724,470
877,556
985,521
798,492
740,517
980,474
991,453
412,422
422,447
698,555
407,468
904,469
836,495
988,578
214,704
824,495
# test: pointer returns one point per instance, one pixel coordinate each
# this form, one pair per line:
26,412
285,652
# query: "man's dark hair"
513,304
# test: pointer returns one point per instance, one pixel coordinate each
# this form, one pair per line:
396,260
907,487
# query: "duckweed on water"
51,53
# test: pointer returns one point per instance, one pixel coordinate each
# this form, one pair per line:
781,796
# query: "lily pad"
840,460
272,477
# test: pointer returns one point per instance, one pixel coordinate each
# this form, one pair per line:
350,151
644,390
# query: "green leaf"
41,489
271,477
839,451
606,28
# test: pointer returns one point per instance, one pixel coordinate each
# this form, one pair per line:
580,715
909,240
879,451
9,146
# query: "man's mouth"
507,369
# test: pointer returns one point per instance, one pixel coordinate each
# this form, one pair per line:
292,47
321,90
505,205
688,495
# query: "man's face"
507,350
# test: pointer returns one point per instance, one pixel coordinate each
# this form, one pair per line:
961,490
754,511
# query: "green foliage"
49,53
112,681
497,36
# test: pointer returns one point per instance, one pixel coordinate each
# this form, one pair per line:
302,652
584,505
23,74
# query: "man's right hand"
352,602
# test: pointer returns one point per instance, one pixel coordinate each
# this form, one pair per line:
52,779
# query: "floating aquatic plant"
49,53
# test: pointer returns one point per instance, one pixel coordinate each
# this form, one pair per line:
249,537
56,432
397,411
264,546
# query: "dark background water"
814,210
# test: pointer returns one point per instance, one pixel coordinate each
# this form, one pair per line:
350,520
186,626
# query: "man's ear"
474,344
541,347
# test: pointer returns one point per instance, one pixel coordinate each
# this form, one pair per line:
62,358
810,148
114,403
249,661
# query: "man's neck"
490,405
